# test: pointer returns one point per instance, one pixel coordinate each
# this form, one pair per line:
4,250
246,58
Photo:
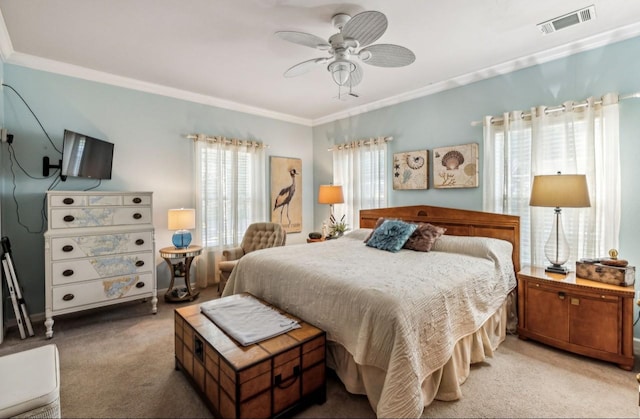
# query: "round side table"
180,269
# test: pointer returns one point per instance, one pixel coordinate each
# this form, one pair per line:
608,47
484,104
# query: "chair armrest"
233,253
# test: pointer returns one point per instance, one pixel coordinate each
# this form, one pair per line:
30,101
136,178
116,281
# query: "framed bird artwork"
286,193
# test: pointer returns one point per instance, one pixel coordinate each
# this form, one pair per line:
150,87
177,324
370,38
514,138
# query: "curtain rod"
216,139
558,108
364,142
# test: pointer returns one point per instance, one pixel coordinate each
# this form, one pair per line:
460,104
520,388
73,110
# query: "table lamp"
182,220
330,194
569,191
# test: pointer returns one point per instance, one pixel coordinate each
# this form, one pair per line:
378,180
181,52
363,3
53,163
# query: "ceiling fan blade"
302,38
356,75
387,55
365,27
304,67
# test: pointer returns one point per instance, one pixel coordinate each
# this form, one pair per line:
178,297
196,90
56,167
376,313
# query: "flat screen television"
84,156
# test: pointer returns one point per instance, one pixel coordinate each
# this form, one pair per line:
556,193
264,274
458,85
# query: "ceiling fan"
344,58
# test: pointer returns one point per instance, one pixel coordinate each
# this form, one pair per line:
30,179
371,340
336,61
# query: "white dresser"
99,250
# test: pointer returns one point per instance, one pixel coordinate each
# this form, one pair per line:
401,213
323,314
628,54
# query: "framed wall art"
456,166
286,193
410,170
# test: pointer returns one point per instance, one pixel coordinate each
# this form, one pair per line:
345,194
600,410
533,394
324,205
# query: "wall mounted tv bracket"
46,166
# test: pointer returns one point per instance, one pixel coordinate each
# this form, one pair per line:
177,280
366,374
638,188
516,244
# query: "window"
571,139
361,168
231,190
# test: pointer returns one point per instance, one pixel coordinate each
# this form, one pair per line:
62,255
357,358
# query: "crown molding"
563,51
52,66
8,55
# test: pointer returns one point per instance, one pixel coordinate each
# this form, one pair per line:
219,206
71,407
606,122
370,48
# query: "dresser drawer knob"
561,295
68,297
69,218
67,272
139,284
139,263
68,201
137,200
137,216
139,242
67,248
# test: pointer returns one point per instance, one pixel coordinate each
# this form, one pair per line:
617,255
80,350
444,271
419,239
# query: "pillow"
391,235
378,224
423,238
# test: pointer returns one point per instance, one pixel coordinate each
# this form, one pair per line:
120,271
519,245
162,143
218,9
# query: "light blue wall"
444,119
151,154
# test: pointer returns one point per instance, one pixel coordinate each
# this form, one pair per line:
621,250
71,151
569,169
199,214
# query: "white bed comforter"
401,312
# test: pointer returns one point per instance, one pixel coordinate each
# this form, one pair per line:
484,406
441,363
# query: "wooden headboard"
457,222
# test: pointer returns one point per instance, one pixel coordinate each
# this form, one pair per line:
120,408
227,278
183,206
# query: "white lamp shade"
182,219
564,191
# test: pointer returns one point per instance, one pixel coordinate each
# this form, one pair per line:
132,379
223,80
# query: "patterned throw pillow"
391,235
423,238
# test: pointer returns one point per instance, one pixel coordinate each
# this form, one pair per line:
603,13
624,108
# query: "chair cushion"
28,380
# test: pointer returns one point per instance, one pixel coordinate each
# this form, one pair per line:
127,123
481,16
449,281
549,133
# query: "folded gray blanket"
247,320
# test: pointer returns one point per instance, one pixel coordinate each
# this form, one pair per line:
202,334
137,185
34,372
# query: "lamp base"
557,269
181,239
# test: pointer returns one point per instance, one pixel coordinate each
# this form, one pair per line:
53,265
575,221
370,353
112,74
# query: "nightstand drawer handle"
67,272
561,295
69,218
139,263
139,242
139,284
67,248
67,201
137,216
575,301
68,297
137,200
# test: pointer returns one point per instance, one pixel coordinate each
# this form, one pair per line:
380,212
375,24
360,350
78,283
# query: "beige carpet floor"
118,362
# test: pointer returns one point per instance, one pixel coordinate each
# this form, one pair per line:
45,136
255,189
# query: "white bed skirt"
444,383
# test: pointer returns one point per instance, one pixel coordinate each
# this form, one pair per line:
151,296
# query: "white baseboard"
39,317
636,346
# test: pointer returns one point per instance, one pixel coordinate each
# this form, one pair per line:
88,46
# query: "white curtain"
576,138
361,168
230,177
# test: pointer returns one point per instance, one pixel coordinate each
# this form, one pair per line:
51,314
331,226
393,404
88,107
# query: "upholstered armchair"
258,236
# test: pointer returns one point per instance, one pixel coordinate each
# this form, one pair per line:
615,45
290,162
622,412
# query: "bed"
404,327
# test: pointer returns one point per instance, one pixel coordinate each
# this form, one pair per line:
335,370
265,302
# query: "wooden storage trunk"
268,379
622,276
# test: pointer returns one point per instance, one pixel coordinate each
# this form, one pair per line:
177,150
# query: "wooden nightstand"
578,315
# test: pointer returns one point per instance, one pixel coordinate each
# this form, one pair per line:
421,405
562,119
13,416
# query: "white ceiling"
223,52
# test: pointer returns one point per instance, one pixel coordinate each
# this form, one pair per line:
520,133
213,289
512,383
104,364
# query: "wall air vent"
570,19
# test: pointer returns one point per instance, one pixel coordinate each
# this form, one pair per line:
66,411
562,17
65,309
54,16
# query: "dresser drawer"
99,217
75,270
98,245
104,200
76,295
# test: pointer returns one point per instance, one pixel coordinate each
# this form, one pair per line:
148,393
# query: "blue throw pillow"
391,235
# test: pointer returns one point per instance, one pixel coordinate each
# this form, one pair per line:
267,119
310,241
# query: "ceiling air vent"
570,19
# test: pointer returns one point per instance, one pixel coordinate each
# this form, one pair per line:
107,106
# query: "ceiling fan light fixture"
340,71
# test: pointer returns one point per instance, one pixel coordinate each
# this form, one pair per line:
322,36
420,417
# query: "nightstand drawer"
578,315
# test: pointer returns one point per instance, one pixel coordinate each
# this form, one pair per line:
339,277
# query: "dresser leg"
48,323
154,303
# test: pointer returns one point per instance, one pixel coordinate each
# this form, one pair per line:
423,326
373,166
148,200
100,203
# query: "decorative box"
623,276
